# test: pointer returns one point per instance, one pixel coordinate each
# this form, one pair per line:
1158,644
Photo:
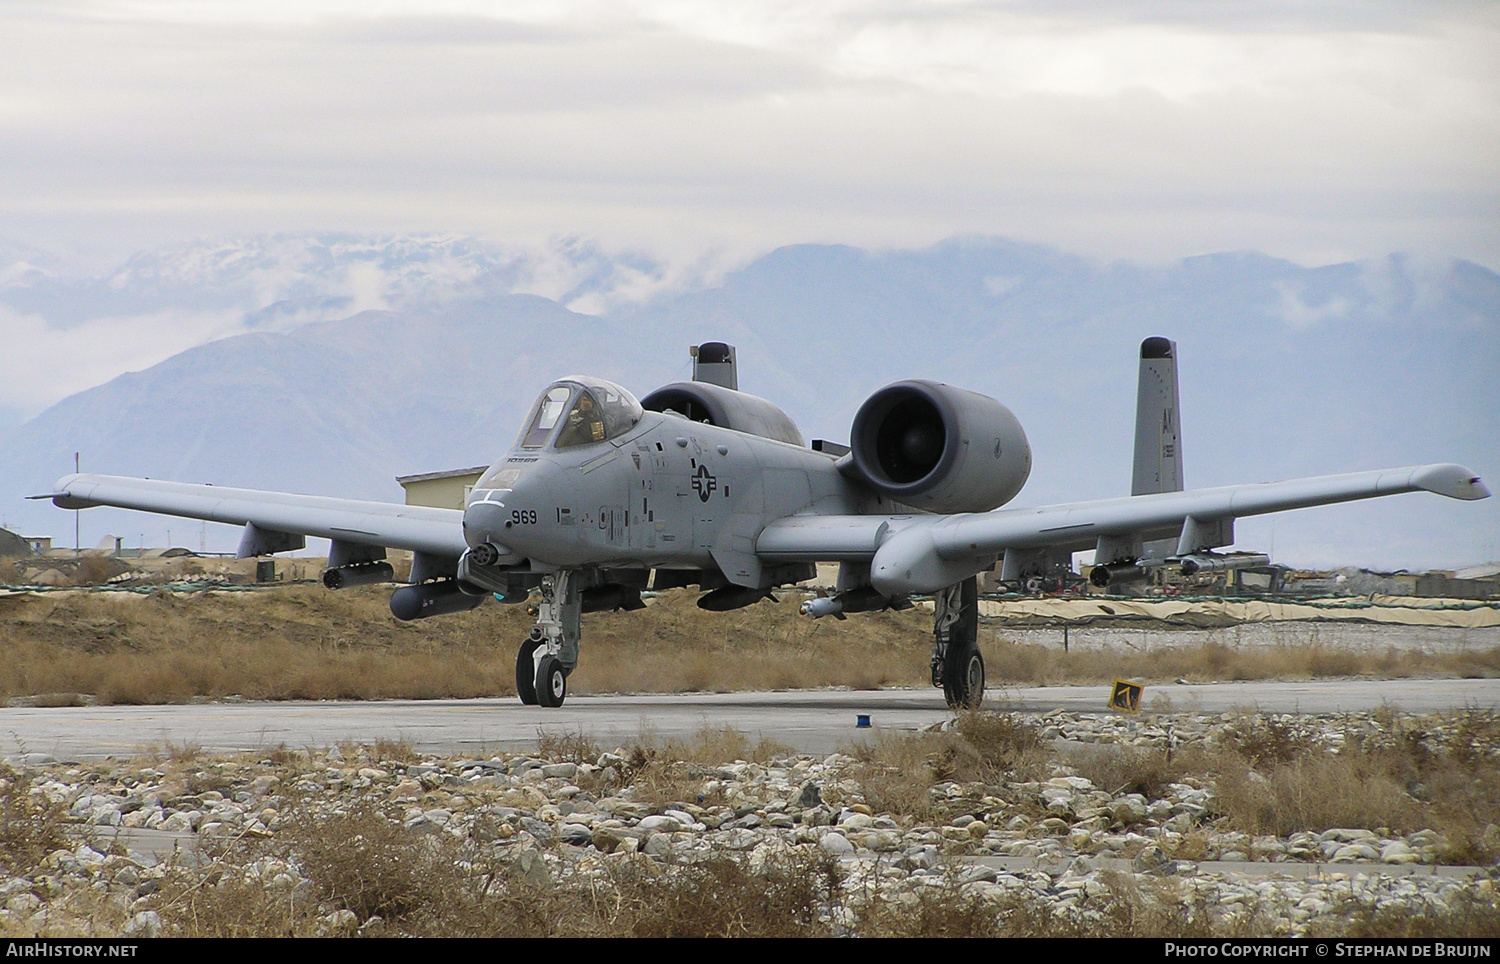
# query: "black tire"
963,678
526,672
551,682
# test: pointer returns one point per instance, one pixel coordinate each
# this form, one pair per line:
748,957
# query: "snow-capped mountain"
1286,371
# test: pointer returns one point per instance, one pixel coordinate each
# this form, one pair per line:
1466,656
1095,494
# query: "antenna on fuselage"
713,362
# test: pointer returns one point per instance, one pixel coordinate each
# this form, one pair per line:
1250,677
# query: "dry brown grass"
567,746
1135,770
1316,793
1214,661
678,771
896,772
1270,777
303,642
31,825
718,744
947,910
787,896
96,570
1127,907
419,884
1405,774
676,647
1467,915
293,643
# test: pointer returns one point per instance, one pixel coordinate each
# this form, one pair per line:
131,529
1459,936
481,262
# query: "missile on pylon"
1212,562
863,600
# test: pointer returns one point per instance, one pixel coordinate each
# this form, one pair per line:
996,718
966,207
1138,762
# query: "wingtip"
63,496
1454,481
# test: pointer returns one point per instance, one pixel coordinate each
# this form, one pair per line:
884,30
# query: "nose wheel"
551,682
526,671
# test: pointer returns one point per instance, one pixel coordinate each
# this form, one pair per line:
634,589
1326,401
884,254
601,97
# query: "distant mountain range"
366,359
283,281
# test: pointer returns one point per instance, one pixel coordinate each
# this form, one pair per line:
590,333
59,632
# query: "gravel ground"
1055,841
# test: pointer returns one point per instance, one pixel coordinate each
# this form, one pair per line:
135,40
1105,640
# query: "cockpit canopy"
580,411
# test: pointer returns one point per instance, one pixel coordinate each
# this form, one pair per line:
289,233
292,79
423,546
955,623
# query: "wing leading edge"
916,553
438,532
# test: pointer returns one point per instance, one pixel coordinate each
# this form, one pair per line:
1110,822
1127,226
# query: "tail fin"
1158,443
714,362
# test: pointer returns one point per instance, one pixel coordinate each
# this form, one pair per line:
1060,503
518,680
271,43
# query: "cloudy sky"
696,130
700,134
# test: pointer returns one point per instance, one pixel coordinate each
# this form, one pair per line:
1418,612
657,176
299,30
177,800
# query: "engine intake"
940,448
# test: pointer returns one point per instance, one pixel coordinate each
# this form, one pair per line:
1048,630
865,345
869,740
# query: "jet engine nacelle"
939,448
726,408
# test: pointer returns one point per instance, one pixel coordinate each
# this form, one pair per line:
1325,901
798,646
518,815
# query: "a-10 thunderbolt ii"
698,484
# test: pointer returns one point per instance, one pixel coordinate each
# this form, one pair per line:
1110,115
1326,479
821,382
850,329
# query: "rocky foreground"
993,829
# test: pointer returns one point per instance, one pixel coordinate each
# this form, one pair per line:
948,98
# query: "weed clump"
1266,740
679,771
790,895
1466,915
567,747
96,570
1401,774
1132,770
896,774
949,910
32,825
359,871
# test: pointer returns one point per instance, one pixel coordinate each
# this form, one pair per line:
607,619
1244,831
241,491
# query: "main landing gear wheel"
551,682
526,672
963,678
956,664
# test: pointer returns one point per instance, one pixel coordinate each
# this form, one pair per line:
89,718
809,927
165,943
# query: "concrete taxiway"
809,721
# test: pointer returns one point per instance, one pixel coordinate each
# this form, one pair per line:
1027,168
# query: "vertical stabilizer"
714,363
1158,443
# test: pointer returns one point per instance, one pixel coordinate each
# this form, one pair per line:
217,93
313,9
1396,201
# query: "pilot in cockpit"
585,423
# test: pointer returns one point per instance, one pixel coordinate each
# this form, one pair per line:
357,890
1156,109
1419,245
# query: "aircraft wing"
268,515
925,553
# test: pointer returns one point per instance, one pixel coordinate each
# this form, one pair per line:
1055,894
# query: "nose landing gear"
547,657
551,682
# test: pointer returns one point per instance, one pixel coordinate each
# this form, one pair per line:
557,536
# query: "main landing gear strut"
549,655
957,666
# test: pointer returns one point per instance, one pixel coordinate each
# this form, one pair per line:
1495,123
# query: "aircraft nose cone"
484,522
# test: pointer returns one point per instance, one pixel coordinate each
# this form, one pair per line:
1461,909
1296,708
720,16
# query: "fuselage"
665,493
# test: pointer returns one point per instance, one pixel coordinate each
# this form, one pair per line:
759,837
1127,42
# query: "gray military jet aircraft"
700,484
